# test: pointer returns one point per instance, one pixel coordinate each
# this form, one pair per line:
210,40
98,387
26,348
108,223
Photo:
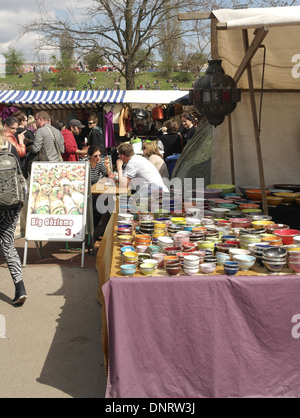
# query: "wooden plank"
195,16
251,51
255,126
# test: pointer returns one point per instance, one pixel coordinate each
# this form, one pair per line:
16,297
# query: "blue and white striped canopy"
86,99
60,99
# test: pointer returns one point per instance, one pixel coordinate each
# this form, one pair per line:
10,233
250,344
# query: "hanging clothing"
110,139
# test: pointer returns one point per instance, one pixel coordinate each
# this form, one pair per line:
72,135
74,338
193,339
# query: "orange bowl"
256,194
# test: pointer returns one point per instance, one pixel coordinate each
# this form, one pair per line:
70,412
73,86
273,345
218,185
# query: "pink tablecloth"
204,336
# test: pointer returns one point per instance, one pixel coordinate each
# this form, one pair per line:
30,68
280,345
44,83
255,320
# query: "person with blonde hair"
8,223
152,153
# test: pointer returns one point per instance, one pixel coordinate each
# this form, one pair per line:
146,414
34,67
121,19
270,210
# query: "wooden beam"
195,16
255,126
249,54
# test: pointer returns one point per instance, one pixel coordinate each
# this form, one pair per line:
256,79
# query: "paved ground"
51,347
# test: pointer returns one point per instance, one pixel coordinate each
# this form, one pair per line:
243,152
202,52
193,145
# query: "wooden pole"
255,126
231,150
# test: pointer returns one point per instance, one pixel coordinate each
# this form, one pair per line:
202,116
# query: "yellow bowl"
206,244
178,220
261,224
130,254
288,198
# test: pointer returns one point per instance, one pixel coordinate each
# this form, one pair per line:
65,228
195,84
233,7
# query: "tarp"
89,98
281,43
280,129
258,17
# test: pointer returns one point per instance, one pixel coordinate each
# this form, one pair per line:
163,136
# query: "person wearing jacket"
72,152
10,126
96,135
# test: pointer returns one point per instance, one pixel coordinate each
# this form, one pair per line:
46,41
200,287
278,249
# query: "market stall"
197,335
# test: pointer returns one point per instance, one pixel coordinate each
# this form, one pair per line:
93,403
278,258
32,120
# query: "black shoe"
20,295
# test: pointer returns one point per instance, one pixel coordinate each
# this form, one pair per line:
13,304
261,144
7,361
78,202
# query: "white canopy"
257,18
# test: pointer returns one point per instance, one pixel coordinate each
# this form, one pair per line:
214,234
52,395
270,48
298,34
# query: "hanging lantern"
215,94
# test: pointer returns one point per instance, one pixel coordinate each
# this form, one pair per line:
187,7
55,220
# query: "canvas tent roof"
281,44
88,98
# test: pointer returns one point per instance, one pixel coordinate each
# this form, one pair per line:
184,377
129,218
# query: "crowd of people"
39,138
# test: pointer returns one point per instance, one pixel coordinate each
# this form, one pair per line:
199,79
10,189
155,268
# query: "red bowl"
286,235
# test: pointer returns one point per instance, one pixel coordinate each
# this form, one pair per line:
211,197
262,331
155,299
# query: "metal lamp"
215,94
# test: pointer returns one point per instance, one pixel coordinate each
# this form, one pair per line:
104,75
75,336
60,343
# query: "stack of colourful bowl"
130,257
172,265
191,264
294,259
142,239
274,259
165,242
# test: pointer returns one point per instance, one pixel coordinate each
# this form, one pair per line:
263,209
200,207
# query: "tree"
117,29
93,60
14,61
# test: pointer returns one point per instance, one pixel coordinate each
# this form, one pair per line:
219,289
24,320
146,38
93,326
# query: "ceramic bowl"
207,268
290,187
238,251
288,198
165,241
128,269
248,206
296,239
125,238
278,252
261,224
245,261
272,227
295,266
141,248
224,247
220,211
242,188
226,188
255,194
127,249
274,201
293,251
191,261
152,262
287,235
171,259
160,258
142,257
205,245
147,269
222,257
274,266
191,271
173,270
231,267
240,222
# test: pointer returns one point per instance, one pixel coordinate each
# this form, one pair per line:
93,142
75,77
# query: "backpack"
12,181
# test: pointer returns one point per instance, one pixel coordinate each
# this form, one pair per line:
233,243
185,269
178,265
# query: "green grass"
103,81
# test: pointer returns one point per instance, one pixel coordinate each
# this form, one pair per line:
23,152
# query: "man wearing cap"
72,152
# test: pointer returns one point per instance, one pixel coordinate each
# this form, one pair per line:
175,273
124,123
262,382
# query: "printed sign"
57,206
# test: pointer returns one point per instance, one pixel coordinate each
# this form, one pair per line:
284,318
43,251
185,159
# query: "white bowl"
245,261
207,268
239,251
151,262
296,239
191,271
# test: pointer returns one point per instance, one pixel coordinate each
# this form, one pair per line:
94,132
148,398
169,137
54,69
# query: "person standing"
188,128
8,222
10,126
72,152
96,134
170,138
45,138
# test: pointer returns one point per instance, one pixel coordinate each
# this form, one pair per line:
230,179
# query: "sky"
15,13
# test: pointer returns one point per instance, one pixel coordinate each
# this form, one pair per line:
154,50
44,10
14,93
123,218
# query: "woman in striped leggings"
8,222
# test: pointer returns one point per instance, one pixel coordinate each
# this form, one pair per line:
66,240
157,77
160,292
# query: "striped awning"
85,99
60,99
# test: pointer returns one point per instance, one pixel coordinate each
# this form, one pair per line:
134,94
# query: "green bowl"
227,205
226,188
251,210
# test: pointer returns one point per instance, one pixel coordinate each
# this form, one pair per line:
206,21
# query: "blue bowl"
128,269
230,271
127,248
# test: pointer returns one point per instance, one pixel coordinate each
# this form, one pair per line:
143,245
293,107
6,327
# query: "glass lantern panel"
226,96
206,96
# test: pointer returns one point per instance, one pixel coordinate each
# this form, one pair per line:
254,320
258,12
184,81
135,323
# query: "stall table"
198,336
